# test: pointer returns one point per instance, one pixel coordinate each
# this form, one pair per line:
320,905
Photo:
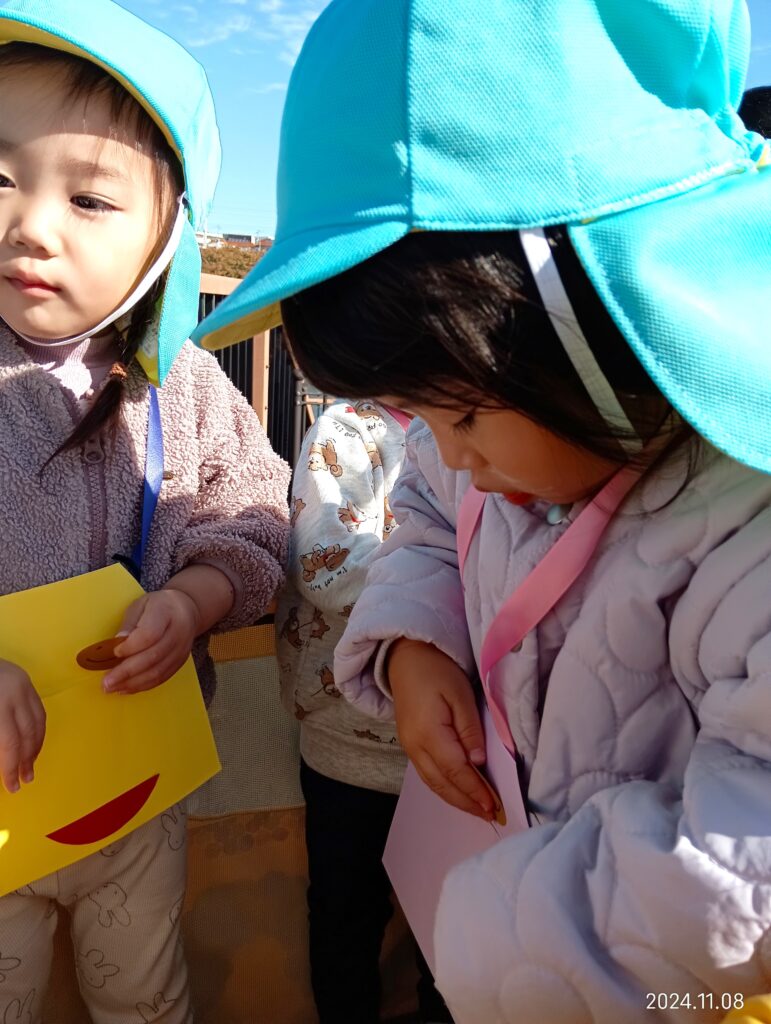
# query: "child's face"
506,453
77,208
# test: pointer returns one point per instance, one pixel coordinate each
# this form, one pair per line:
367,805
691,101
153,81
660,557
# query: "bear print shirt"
349,462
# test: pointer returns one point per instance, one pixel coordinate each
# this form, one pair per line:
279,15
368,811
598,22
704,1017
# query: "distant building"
258,242
209,239
216,240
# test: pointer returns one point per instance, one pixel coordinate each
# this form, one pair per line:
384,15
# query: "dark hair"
755,110
455,319
83,79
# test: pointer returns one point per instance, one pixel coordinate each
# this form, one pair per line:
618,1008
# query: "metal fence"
287,390
236,361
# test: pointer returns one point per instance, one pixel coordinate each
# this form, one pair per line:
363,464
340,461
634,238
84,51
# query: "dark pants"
349,904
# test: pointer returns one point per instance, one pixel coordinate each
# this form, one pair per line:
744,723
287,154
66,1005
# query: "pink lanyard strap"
401,417
545,585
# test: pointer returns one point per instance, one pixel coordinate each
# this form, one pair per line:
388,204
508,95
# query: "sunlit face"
78,219
507,453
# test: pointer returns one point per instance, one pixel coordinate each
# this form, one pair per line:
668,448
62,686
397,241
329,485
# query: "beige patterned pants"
124,903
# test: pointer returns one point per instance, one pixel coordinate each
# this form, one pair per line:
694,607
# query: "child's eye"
466,424
90,204
5,182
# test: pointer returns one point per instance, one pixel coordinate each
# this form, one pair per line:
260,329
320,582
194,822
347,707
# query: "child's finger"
467,724
451,759
132,616
138,665
30,740
9,754
146,631
445,788
154,676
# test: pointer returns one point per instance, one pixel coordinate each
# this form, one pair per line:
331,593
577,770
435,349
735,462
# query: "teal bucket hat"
172,87
615,118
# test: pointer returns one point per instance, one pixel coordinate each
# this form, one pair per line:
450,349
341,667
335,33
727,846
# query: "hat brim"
289,267
13,30
685,279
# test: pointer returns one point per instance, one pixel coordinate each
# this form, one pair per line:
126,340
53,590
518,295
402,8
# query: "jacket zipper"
93,461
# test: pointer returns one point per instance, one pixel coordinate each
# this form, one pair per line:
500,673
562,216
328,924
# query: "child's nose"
33,228
458,456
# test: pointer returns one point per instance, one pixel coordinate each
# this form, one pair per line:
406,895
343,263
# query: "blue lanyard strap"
153,477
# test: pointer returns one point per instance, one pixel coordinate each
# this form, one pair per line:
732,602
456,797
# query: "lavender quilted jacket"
642,707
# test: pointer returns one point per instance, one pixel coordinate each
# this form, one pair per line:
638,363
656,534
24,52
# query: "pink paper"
428,837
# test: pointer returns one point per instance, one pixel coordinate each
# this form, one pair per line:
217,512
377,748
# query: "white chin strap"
144,286
558,306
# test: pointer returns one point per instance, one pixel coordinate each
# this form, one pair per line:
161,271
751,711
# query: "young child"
92,212
352,765
558,257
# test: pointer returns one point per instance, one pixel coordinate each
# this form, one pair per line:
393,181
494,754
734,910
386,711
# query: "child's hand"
160,629
22,726
438,724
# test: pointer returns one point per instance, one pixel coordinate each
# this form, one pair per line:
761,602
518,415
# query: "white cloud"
261,90
236,24
187,11
283,24
290,22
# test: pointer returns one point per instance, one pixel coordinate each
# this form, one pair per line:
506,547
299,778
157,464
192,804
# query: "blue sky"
248,48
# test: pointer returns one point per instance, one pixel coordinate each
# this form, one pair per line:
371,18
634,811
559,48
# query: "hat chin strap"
144,286
557,304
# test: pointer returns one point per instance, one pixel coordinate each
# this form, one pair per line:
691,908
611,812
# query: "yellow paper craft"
109,763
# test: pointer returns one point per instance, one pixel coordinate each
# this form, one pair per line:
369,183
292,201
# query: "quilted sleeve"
413,586
239,521
648,890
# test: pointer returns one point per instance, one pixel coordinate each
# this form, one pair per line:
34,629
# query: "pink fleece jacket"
223,497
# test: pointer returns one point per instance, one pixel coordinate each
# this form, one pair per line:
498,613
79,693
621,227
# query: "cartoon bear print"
93,970
374,455
7,964
367,734
297,506
18,1012
111,901
327,682
174,824
150,1012
319,625
370,413
323,458
290,631
346,611
299,711
329,558
313,562
352,517
389,523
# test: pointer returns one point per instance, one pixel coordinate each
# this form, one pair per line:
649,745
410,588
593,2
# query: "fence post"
261,375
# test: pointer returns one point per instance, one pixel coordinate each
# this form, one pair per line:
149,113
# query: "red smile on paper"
106,820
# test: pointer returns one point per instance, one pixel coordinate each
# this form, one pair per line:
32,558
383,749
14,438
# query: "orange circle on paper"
100,657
